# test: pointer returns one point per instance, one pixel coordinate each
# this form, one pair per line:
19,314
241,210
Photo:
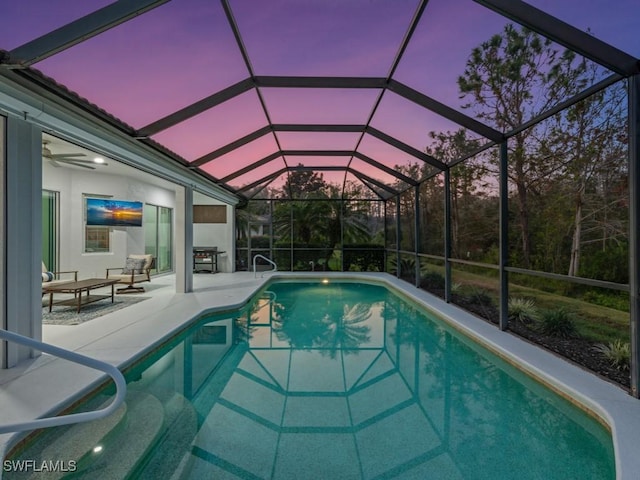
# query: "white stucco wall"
219,235
72,184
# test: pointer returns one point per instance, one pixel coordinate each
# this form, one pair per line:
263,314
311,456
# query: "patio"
117,339
375,146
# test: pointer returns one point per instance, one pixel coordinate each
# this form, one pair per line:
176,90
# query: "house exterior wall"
71,185
219,235
27,111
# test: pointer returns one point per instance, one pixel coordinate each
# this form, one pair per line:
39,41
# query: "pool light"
325,280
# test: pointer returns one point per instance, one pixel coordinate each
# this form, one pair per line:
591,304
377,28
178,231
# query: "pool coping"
121,341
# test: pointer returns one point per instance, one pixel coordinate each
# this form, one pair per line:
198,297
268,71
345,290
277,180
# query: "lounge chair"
53,278
137,269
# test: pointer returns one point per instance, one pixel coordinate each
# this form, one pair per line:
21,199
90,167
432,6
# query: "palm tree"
346,331
324,327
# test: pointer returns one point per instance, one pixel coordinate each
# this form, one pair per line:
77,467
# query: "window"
97,239
50,229
158,236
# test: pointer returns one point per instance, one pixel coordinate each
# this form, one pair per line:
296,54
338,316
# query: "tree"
320,215
589,137
407,201
248,214
508,79
309,217
465,180
432,215
305,184
303,220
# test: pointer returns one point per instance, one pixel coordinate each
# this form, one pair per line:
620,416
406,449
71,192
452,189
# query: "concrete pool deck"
46,384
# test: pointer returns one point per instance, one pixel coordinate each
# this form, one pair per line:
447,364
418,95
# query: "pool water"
339,380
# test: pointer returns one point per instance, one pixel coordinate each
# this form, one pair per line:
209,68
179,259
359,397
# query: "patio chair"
53,278
137,269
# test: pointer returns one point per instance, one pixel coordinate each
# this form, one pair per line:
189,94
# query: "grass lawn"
594,322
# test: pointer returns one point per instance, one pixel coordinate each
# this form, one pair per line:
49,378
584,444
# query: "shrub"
364,257
479,302
523,310
557,323
480,297
609,264
335,261
260,241
432,281
618,353
407,266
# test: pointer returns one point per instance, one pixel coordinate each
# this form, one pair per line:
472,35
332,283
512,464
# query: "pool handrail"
255,271
112,371
272,299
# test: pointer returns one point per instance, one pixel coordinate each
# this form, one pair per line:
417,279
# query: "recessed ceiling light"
98,160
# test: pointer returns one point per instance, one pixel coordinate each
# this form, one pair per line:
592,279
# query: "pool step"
181,426
115,453
107,448
124,447
75,441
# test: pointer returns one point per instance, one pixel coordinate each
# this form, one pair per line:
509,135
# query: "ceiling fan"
56,159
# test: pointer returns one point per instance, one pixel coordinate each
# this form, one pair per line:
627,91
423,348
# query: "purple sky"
184,50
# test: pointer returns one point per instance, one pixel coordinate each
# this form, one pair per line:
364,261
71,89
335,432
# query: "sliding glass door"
158,236
50,229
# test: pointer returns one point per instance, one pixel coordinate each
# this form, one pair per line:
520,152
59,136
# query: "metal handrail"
113,372
255,272
272,298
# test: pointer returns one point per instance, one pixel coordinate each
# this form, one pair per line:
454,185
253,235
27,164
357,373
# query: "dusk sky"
184,51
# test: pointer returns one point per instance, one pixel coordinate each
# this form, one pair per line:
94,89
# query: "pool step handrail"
272,300
269,296
255,271
113,372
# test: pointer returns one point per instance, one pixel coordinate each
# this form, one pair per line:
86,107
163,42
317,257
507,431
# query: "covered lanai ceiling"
247,92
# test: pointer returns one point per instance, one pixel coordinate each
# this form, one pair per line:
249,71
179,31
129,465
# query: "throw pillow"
47,276
140,266
133,265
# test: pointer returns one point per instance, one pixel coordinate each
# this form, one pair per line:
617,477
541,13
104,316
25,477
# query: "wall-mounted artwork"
113,213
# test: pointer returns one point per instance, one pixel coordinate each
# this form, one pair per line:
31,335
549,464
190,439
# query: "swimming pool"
344,380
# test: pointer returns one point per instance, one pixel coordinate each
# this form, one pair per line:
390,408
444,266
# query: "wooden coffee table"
77,288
